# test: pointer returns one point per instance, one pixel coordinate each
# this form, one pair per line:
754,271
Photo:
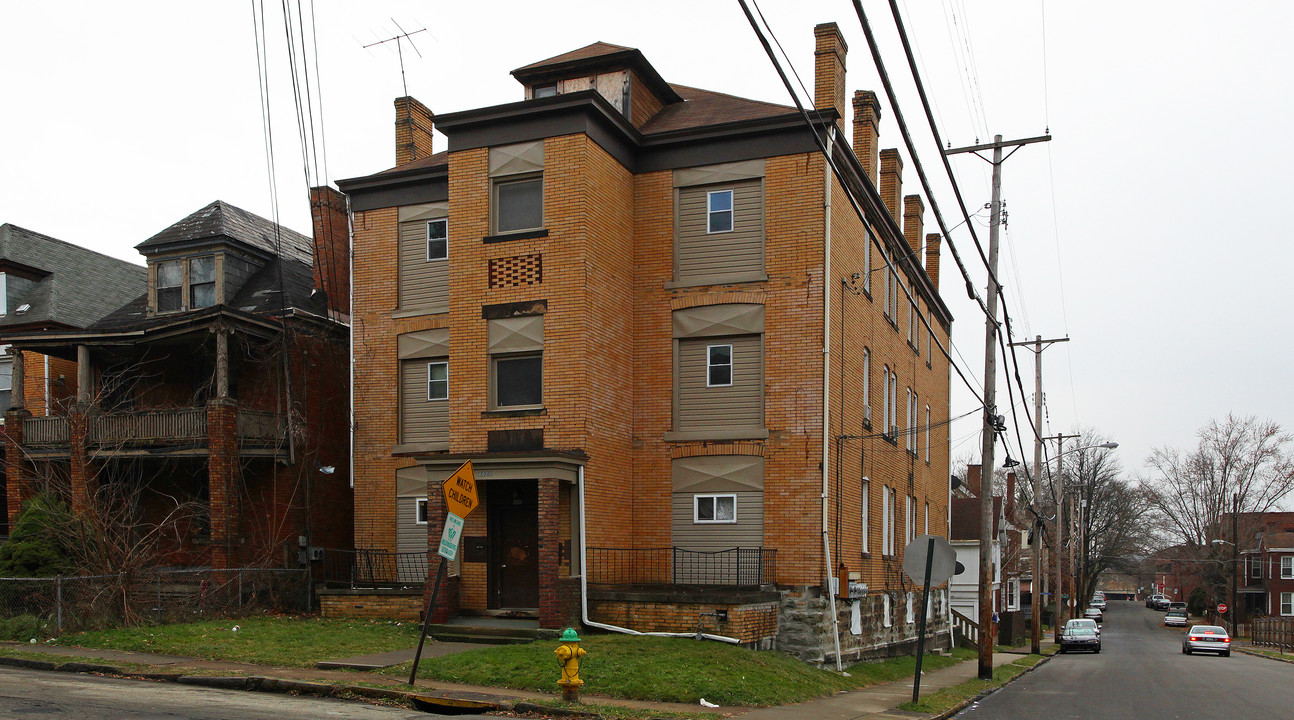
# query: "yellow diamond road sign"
460,491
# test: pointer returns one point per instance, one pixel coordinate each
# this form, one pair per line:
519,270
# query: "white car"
1083,622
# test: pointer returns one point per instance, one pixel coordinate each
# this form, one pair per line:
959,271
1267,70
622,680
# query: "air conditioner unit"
867,415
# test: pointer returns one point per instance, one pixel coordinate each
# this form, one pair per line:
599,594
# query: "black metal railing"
371,568
734,567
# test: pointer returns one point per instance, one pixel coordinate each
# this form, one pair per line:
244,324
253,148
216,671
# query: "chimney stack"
973,479
867,132
932,258
891,180
413,126
829,71
331,247
914,211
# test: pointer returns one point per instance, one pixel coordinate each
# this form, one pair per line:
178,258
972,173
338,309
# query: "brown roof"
440,158
965,518
593,50
1279,540
705,107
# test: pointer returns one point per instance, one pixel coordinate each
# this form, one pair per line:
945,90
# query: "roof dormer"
621,75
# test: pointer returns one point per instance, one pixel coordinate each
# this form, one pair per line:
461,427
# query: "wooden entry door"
512,517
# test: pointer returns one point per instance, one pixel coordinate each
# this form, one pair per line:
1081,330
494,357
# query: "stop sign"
1222,608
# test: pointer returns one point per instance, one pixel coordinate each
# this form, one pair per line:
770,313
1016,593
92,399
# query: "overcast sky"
1151,230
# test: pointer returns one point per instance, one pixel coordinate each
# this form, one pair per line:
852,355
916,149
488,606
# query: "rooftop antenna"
398,49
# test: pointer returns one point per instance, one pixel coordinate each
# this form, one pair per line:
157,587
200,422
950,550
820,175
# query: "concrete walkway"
876,702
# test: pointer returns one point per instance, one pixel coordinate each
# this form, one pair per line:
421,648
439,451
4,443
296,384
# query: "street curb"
971,701
1265,656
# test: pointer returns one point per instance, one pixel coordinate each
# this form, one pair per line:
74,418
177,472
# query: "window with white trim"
927,530
887,542
885,401
889,286
437,239
718,368
420,511
1287,603
714,509
1287,567
1255,568
927,434
868,241
867,382
438,381
867,501
892,410
718,211
911,434
912,513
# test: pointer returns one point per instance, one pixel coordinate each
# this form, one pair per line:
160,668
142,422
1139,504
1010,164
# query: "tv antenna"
399,48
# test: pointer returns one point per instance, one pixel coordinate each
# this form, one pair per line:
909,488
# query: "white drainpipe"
584,586
826,396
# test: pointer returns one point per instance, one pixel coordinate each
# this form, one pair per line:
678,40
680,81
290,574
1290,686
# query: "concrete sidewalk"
875,702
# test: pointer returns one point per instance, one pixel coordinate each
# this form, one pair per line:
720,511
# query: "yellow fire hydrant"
569,654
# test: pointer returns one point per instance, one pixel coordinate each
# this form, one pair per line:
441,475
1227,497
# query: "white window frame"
894,403
911,439
420,511
1287,567
927,434
868,241
4,294
710,366
886,419
1287,604
430,380
912,324
496,205
711,213
714,498
889,285
866,510
444,222
927,530
886,521
867,382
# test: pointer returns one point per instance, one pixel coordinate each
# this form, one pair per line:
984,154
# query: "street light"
1060,532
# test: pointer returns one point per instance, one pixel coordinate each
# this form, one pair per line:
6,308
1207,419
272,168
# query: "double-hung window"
516,362
910,439
867,384
420,511
516,187
718,366
867,501
1287,603
437,239
718,211
887,520
202,281
885,401
170,286
438,381
714,508
927,434
1287,567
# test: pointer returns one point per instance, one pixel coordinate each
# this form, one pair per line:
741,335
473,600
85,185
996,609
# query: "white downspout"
350,411
826,393
584,587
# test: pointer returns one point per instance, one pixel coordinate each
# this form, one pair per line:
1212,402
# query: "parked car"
1081,622
1161,603
1097,602
1176,618
1079,638
1207,638
1177,606
1093,613
1150,601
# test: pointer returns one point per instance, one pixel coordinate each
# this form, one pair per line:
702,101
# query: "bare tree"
1112,513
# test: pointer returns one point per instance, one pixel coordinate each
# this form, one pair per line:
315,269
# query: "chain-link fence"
56,605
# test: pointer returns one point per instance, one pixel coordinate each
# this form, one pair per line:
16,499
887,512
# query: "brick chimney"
867,118
891,180
973,479
932,257
829,70
914,211
413,126
331,247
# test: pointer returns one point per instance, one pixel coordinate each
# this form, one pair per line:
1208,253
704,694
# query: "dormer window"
202,282
543,91
170,286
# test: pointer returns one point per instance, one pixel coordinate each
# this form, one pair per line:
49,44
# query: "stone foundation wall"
805,628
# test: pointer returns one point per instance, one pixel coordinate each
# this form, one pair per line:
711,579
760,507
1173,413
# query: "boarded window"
720,233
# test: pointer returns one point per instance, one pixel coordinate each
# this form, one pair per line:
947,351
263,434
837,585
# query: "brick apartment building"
48,284
679,362
218,385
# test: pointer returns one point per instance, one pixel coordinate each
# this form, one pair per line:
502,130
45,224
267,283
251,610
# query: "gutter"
584,587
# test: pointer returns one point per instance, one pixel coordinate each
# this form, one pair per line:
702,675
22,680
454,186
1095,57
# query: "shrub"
36,546
25,627
1197,601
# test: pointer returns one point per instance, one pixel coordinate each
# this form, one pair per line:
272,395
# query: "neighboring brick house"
220,386
1273,570
613,296
48,284
965,539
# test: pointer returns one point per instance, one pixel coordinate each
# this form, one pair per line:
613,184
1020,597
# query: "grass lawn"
286,641
942,700
669,670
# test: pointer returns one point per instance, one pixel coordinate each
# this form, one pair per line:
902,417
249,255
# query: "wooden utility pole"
991,421
1036,525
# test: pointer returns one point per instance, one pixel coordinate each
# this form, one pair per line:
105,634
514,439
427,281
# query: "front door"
512,517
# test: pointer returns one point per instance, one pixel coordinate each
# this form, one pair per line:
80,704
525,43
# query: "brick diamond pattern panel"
517,271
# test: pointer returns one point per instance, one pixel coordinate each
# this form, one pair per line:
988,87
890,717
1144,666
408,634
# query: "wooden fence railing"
46,431
1274,632
965,630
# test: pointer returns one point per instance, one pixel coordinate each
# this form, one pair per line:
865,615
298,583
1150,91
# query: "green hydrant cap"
569,635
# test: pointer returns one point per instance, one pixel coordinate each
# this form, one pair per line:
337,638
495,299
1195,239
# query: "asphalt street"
1141,673
41,694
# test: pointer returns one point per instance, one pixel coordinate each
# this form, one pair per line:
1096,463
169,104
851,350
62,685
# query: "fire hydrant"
569,654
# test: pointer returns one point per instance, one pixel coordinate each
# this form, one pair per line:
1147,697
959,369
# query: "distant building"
649,316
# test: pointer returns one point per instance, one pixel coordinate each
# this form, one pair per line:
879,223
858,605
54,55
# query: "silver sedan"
1207,638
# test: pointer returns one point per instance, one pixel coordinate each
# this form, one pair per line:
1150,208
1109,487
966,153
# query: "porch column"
17,481
222,469
81,472
550,606
222,363
84,381
447,600
18,395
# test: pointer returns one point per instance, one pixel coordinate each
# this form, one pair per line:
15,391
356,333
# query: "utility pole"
991,421
1036,584
1058,494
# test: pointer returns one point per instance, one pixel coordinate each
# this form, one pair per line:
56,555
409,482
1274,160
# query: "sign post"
460,500
928,560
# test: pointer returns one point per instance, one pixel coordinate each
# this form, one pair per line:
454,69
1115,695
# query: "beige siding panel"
425,211
718,473
747,532
517,334
410,536
704,257
516,159
423,283
723,172
423,344
740,405
715,320
411,481
421,420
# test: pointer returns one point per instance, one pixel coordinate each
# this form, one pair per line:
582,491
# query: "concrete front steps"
491,631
